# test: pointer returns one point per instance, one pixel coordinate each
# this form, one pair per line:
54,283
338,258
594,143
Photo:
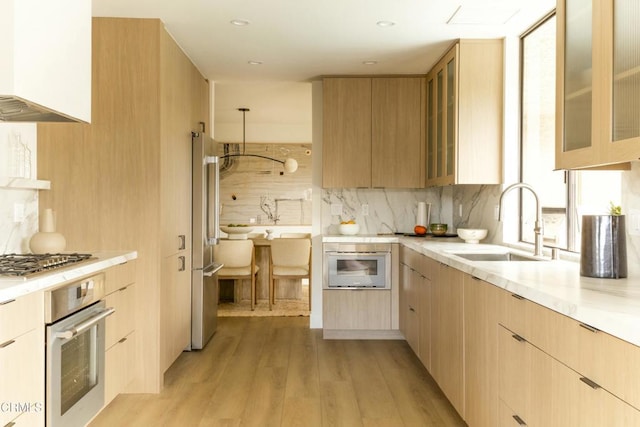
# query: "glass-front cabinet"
464,115
598,83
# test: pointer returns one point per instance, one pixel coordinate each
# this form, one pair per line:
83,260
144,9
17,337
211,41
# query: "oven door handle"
83,326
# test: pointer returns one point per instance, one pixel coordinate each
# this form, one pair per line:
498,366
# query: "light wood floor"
275,371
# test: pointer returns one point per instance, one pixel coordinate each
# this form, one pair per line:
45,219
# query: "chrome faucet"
537,229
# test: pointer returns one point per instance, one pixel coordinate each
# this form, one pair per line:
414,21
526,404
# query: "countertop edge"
15,287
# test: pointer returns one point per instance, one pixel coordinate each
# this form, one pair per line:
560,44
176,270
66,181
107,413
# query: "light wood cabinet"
175,313
373,132
131,171
22,359
447,354
597,84
464,113
480,352
356,309
120,329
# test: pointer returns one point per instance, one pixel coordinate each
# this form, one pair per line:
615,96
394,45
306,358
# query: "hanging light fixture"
290,164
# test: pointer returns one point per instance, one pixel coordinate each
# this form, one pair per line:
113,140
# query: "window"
564,195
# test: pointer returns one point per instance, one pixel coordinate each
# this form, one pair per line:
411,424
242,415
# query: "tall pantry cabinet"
124,181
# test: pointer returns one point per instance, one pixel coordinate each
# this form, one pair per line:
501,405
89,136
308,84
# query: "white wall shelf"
24,184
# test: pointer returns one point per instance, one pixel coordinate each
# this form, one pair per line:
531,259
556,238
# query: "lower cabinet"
502,360
120,329
22,361
356,309
447,357
480,352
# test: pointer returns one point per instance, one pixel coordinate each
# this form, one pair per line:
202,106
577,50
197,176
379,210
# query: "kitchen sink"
496,256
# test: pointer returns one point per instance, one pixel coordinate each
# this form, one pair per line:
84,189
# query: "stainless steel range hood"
14,109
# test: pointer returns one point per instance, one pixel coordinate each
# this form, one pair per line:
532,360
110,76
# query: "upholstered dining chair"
238,257
295,235
290,259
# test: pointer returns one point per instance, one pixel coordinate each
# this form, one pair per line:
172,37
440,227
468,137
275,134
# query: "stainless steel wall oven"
75,341
357,266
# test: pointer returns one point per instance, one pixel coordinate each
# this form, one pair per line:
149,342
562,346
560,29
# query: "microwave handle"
83,326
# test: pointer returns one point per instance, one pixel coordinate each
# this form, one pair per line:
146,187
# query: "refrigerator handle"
213,217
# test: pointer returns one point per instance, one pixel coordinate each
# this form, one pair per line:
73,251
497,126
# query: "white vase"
47,240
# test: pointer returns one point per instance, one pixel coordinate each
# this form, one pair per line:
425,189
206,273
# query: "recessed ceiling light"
255,62
385,24
239,22
369,62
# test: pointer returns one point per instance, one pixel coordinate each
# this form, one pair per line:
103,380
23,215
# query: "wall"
14,236
249,181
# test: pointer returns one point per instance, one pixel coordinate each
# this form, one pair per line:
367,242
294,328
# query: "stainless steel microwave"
357,266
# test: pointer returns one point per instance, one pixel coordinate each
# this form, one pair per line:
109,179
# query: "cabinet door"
397,135
412,334
22,378
356,309
447,365
574,84
175,308
620,113
346,144
423,295
119,367
480,352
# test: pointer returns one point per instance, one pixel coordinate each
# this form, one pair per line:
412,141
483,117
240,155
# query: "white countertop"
611,305
11,288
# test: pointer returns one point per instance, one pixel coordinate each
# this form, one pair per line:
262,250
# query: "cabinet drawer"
122,322
20,315
357,309
511,312
512,371
22,379
120,276
119,361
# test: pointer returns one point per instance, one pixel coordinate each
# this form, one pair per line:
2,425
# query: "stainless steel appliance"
75,334
357,266
25,265
205,234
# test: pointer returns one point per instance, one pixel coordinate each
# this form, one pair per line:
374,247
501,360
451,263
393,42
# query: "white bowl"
472,235
349,229
236,233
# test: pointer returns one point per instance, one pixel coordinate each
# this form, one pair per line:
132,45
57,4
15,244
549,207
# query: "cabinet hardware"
476,278
10,424
7,302
183,242
7,344
411,309
590,383
516,296
519,420
588,328
122,340
518,338
183,263
124,288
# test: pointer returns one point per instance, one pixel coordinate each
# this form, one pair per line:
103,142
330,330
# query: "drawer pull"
588,328
518,338
183,242
519,420
10,424
7,344
7,302
122,289
412,309
516,296
122,340
590,383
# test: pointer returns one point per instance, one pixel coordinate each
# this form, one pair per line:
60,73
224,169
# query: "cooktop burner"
25,264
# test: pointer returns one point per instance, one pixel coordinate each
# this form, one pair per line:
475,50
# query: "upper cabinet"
598,83
373,132
464,113
45,72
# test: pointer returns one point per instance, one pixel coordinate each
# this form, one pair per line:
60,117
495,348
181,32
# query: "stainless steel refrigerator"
205,234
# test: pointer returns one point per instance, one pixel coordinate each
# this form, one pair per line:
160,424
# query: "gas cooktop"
23,265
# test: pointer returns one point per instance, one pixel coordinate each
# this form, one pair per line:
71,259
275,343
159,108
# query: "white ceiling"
300,40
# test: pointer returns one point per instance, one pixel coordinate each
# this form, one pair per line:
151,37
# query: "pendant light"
290,164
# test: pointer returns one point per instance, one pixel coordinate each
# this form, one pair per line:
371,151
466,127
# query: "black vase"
603,250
